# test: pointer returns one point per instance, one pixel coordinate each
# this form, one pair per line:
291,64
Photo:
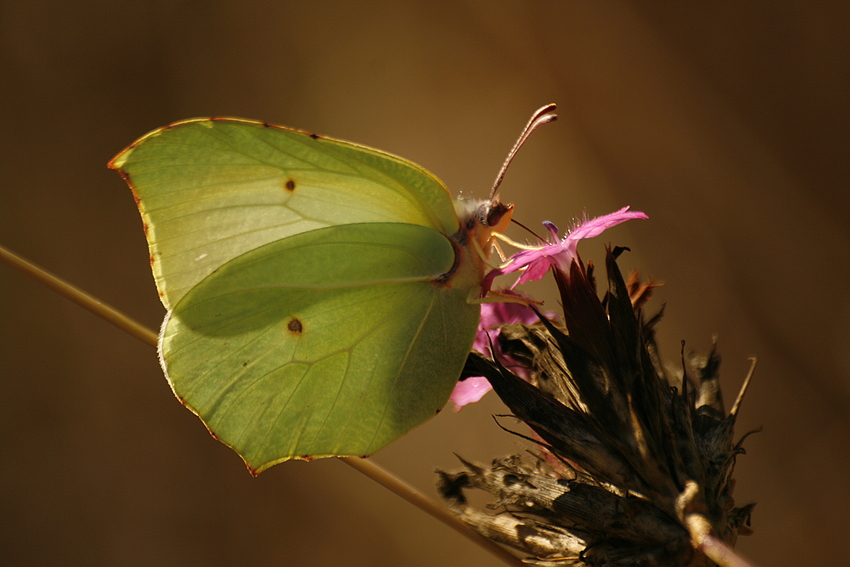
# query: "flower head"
618,436
493,316
535,261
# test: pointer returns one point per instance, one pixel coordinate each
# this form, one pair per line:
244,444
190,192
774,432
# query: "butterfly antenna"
541,116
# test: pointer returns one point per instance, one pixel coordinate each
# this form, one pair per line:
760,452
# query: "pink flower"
536,261
493,316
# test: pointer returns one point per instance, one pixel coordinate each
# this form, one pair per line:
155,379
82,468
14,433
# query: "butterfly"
321,296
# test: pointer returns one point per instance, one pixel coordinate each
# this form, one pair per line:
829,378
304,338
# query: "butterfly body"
321,295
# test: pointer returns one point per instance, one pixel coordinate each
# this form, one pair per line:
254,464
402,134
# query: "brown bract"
632,460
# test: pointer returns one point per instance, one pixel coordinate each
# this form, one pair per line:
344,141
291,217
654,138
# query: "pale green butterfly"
322,296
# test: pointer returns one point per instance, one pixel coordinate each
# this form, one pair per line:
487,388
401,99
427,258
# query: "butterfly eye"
498,215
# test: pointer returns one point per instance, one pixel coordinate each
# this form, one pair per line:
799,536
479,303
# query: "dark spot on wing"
295,327
290,185
314,136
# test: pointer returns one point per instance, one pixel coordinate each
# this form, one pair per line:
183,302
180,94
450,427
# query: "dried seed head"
633,464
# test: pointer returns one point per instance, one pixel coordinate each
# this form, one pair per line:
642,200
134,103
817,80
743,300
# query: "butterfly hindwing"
284,357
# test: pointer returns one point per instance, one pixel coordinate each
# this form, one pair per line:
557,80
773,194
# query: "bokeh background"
726,122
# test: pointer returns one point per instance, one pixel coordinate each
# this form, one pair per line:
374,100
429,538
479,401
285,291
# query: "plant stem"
79,297
413,496
368,468
721,553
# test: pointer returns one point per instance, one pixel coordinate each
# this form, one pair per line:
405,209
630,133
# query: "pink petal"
561,254
469,391
493,315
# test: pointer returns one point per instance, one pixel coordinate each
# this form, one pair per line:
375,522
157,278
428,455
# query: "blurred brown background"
726,122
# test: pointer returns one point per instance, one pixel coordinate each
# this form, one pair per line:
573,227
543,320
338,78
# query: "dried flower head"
532,263
634,465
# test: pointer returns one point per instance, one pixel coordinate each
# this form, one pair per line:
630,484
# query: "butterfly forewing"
212,189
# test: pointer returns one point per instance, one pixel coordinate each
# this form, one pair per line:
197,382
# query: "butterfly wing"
211,189
318,291
283,357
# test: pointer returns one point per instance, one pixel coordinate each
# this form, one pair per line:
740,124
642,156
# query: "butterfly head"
481,218
496,215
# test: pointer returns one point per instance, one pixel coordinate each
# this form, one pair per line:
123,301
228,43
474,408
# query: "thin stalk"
413,496
721,553
79,297
367,467
702,536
